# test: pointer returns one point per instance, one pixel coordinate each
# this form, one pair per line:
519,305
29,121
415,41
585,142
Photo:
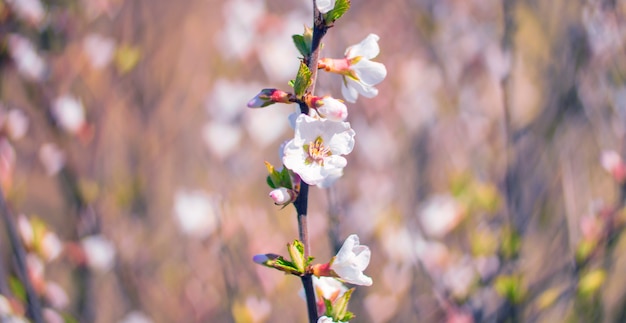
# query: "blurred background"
487,176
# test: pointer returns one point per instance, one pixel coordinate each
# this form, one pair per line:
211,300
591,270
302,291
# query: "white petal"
350,94
325,6
370,73
368,48
363,89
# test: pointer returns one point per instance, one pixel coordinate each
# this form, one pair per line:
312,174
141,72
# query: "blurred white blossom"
222,138
239,32
99,252
28,62
440,214
56,295
195,213
31,11
135,317
16,123
52,158
69,113
99,50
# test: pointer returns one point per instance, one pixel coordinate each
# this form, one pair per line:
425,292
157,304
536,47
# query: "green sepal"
341,7
278,262
340,307
301,45
303,80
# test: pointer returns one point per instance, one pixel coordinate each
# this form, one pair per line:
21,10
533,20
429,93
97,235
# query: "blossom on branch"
351,261
359,73
315,151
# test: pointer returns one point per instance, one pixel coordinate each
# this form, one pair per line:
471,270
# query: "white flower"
99,251
332,109
350,262
195,213
16,124
52,158
364,73
69,113
32,11
328,287
440,215
359,73
99,50
326,319
325,6
315,151
26,58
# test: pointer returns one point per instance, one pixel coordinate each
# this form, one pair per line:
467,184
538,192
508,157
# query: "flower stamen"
316,152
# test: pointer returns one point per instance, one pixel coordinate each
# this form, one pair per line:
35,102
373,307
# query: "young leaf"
303,80
341,7
301,45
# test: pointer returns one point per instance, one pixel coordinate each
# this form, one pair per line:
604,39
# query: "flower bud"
331,109
282,196
268,97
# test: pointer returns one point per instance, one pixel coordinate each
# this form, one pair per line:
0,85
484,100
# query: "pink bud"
332,109
268,97
613,163
282,196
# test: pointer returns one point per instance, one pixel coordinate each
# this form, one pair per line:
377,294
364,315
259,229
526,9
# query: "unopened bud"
331,109
282,196
268,97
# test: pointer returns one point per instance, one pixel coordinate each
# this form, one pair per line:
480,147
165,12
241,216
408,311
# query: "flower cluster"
322,135
316,156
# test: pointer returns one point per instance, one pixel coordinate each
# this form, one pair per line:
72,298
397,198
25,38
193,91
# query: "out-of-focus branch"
34,306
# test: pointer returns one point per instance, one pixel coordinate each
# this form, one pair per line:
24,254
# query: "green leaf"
301,45
17,288
340,306
303,80
341,7
296,252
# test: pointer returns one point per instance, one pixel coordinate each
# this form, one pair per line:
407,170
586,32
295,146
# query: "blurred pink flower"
16,123
31,11
56,296
350,262
613,163
99,50
52,158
